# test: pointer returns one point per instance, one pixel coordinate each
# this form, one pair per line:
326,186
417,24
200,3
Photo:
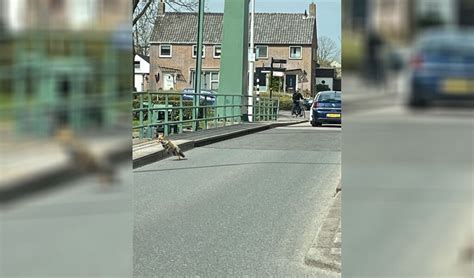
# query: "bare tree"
144,17
141,7
328,51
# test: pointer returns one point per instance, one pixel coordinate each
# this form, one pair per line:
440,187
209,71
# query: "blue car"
326,108
442,67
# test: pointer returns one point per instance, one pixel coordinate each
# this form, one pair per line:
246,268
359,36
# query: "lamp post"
197,77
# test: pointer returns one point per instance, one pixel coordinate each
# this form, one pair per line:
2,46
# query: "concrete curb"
53,177
161,154
325,250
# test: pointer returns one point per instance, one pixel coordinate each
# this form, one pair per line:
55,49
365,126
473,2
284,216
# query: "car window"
330,97
462,42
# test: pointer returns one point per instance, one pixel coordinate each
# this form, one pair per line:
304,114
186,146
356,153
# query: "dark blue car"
442,67
326,108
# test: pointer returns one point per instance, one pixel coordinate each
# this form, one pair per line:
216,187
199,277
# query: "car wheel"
417,102
315,123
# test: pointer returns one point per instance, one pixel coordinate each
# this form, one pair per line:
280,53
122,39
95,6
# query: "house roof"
270,28
146,58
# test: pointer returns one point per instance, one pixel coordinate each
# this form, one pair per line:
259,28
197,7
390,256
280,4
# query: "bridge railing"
174,112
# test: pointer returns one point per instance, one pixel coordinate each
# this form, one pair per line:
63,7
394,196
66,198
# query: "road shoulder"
325,250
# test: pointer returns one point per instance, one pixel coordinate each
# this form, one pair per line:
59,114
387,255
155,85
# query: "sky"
328,13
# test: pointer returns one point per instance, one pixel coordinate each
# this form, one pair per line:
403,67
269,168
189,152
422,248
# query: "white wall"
139,78
81,12
15,14
144,65
139,82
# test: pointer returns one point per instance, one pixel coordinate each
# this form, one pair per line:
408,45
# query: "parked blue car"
442,67
326,108
206,98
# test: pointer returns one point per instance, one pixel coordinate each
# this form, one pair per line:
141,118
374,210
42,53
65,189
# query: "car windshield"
330,97
455,41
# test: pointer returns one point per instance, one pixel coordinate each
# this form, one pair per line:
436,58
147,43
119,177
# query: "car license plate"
333,115
457,86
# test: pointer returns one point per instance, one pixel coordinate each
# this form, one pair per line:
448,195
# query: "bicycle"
302,109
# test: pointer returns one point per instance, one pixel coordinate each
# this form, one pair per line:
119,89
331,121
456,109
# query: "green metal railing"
173,112
52,76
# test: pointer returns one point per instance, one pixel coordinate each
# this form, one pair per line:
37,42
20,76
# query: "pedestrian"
296,110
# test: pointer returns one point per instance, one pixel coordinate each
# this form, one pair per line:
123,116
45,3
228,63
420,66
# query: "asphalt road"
408,191
76,230
247,206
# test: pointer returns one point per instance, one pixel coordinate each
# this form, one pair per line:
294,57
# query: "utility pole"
251,58
197,77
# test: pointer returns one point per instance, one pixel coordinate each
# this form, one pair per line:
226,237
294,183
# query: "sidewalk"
356,88
29,165
146,151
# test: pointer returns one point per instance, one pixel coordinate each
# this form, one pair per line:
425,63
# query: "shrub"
286,103
286,100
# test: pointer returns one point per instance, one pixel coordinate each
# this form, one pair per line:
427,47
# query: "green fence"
175,112
54,78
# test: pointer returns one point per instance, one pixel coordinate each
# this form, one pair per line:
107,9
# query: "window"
137,64
330,97
209,79
217,51
165,50
261,52
214,80
195,51
295,52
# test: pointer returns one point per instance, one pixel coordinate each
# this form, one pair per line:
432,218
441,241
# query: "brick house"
289,36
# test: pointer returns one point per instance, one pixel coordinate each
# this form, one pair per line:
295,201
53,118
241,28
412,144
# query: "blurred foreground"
407,171
78,229
65,65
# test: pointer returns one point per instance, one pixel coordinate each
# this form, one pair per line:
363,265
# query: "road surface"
408,191
76,230
247,206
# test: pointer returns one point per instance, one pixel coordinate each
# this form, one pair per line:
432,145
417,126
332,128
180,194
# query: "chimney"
312,10
161,8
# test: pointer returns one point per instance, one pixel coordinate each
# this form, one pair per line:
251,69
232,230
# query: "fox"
170,147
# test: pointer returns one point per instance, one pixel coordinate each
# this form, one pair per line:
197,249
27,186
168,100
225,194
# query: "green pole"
234,60
197,77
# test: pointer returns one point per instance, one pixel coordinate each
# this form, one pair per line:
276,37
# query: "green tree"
322,87
277,84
